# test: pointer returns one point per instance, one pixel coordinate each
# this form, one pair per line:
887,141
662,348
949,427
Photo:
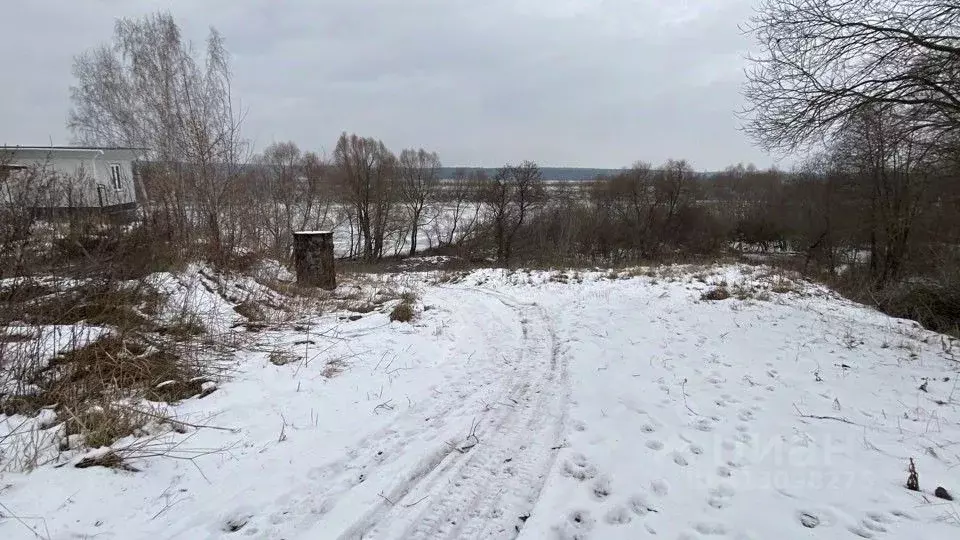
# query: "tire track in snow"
489,490
305,505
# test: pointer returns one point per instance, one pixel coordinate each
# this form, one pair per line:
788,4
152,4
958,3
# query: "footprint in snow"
601,488
579,426
679,459
710,529
720,496
816,517
703,424
648,428
696,449
746,415
875,523
581,519
236,522
860,531
736,463
879,517
640,505
618,515
579,468
872,525
655,445
903,514
660,487
576,527
724,472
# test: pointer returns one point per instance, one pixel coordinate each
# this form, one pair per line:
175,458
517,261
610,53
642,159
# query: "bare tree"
279,171
461,213
825,60
674,189
148,89
366,170
24,189
510,196
419,175
890,165
316,193
635,202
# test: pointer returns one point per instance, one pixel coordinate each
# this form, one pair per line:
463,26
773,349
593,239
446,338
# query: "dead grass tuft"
280,357
333,368
101,369
716,294
403,312
110,460
100,303
183,328
251,310
103,424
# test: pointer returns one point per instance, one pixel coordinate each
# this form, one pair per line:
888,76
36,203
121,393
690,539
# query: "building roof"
48,147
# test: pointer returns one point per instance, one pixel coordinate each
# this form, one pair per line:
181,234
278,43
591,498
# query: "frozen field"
551,405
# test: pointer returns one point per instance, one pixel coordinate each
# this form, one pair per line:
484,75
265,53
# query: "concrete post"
313,258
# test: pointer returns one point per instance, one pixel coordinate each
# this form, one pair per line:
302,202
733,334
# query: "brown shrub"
104,423
101,303
402,312
110,366
716,293
251,310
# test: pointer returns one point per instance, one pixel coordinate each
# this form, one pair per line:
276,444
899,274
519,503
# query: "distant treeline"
558,174
555,174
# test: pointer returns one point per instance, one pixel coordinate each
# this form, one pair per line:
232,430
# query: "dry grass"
451,276
104,423
716,294
333,368
96,302
402,312
161,371
251,310
280,357
86,385
183,328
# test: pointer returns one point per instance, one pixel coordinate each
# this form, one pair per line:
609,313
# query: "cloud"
561,82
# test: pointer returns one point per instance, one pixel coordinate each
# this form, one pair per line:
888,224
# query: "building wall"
71,178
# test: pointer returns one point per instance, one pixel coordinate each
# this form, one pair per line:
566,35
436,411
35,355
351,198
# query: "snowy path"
486,484
422,475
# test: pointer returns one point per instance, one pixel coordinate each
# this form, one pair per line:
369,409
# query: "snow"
549,405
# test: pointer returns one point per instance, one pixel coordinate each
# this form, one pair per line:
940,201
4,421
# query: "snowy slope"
548,405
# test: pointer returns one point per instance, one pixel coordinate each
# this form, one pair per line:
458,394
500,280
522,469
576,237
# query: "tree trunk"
414,230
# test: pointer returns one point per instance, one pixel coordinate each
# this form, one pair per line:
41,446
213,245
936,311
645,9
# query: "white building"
62,179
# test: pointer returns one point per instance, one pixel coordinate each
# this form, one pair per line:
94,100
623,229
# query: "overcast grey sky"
598,83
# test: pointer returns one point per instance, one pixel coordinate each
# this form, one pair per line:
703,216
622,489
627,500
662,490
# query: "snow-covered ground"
551,405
